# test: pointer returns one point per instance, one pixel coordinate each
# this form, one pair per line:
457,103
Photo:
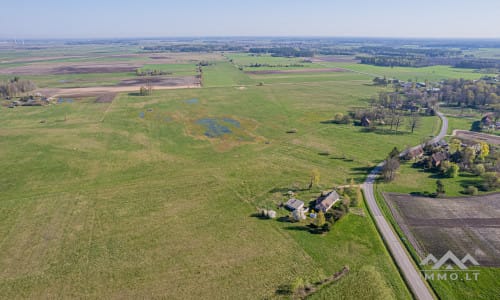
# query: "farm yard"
112,194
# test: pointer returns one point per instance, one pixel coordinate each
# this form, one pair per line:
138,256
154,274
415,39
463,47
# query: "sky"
27,19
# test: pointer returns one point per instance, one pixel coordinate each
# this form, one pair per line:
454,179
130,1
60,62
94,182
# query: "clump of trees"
147,72
259,65
340,118
474,158
391,165
146,90
16,86
283,51
469,93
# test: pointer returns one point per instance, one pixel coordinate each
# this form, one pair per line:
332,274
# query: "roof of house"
440,143
440,156
365,120
416,151
324,203
293,203
486,119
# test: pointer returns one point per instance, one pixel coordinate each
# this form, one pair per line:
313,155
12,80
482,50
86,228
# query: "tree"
471,190
314,178
454,145
389,169
440,188
467,156
414,122
358,198
452,171
346,200
478,169
398,121
338,117
491,181
143,91
485,150
394,153
320,219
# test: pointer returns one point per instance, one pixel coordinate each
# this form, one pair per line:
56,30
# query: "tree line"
469,93
147,72
283,51
16,86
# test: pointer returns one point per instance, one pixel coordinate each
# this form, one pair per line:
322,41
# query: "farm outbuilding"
294,204
365,122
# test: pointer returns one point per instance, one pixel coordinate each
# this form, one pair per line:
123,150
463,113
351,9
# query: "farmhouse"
294,204
438,157
415,153
487,121
324,203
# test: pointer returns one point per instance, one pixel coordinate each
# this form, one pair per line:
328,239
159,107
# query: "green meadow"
142,198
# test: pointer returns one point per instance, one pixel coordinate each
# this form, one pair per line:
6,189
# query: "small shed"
294,204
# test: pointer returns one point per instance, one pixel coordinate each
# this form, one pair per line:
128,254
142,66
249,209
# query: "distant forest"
387,53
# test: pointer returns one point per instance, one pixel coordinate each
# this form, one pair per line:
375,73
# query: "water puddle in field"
232,122
218,127
191,101
65,100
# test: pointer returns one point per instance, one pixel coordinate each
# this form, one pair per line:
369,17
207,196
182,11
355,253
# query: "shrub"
340,118
491,181
452,171
471,190
478,169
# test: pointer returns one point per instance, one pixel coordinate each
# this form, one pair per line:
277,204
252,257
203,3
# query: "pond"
217,127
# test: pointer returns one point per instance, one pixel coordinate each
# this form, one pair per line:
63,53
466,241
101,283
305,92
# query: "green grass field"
98,201
434,73
131,199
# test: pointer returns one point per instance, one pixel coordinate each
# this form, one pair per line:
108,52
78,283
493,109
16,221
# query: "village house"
487,122
438,157
294,204
415,153
324,203
440,144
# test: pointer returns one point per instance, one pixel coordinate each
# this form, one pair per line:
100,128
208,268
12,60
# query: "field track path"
403,260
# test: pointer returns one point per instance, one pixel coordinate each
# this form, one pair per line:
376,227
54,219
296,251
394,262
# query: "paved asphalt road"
403,260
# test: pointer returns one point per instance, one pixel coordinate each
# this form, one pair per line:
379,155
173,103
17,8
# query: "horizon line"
448,38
